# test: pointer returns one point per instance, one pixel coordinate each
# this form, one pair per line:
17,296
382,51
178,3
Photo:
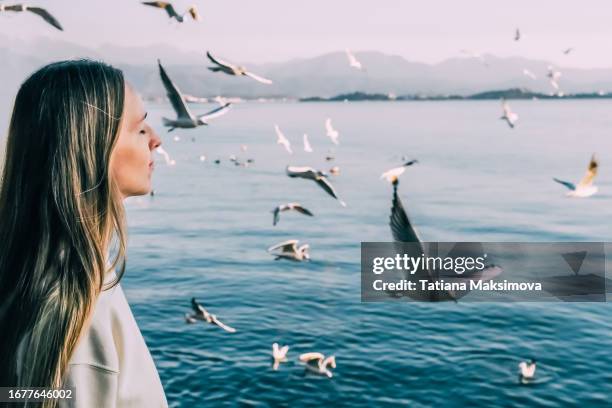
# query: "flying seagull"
317,176
585,187
279,354
568,50
202,314
232,69
193,11
282,140
527,370
318,363
528,73
553,77
184,118
393,174
289,250
286,207
517,35
403,231
39,11
307,146
353,62
509,116
331,132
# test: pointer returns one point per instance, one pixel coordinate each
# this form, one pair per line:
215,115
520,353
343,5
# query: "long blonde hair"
59,212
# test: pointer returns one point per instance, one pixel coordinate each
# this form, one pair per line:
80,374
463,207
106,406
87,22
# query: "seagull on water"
287,207
318,363
185,119
331,132
279,354
231,69
528,73
585,187
169,161
202,314
282,140
290,250
353,62
193,11
553,76
509,116
393,174
307,146
317,176
39,11
527,370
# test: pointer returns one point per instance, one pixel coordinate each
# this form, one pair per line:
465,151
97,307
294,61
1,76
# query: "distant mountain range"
322,76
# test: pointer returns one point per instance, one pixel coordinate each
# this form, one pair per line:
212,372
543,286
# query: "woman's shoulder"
100,344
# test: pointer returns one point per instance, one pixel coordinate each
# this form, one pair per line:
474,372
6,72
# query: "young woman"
77,145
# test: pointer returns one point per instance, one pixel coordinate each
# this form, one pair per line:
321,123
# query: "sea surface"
205,232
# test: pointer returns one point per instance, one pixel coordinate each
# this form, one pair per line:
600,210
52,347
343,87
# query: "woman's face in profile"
132,158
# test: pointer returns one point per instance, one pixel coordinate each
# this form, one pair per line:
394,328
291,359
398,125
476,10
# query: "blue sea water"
205,232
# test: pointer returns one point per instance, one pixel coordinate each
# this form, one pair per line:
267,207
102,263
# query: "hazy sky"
274,30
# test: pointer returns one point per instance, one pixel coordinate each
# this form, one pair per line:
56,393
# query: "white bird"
39,11
289,250
353,62
169,161
231,69
282,140
331,132
185,119
169,8
528,73
334,170
527,370
321,363
509,116
393,174
585,187
279,355
517,35
202,314
307,147
317,176
203,157
553,77
287,207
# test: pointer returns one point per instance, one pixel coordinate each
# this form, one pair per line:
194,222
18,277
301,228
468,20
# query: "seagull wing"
307,147
328,126
587,180
306,357
46,16
215,113
198,308
225,327
401,227
285,246
276,213
326,185
176,99
302,210
220,62
567,184
258,78
303,172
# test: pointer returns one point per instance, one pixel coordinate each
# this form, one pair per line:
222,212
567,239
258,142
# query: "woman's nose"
155,140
